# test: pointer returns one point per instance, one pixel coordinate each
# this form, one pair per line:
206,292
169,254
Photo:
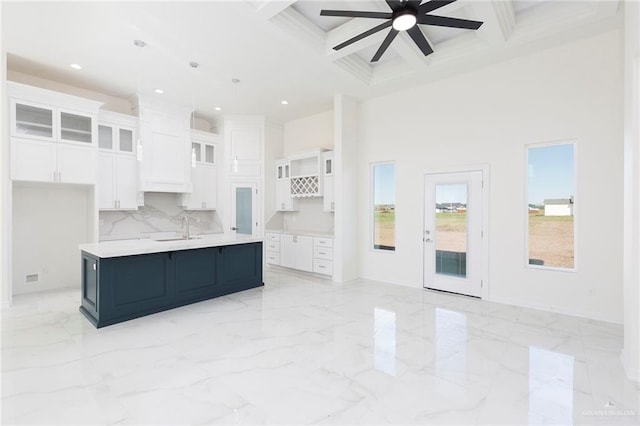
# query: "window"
551,205
384,206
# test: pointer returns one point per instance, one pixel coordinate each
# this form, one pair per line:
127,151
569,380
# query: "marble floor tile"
304,350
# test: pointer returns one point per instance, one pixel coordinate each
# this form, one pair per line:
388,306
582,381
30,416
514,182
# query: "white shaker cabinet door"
33,161
76,164
127,182
106,180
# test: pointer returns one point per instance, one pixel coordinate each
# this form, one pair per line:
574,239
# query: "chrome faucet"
185,229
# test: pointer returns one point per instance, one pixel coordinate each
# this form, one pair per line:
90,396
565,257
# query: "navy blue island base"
117,289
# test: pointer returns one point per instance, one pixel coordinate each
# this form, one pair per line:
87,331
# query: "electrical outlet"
31,278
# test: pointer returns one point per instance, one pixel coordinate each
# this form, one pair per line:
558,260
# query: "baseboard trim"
554,309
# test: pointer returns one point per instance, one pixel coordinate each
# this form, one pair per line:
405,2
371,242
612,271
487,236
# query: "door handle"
427,240
233,228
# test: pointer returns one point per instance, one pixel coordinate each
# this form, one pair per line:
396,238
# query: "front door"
244,218
452,232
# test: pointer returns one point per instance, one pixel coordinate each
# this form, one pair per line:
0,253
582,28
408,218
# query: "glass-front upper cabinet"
75,127
114,138
125,140
31,120
205,153
105,137
209,154
328,164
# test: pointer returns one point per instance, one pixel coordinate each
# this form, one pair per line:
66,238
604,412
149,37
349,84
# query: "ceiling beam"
499,20
267,9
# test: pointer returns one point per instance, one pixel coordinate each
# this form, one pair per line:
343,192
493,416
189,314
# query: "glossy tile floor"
303,350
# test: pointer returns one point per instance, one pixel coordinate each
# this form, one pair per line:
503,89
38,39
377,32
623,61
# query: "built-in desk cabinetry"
53,136
310,253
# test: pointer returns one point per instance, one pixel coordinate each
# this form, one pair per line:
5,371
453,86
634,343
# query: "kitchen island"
127,279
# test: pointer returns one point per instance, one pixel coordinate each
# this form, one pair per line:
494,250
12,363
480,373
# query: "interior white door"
244,208
453,232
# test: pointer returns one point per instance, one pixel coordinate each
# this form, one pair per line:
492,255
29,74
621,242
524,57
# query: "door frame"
485,169
257,209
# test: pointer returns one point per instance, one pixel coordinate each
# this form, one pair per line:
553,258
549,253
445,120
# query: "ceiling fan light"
404,21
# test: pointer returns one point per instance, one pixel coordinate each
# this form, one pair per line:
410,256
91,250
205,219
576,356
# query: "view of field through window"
384,206
551,205
451,229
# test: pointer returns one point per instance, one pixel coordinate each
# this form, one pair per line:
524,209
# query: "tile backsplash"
161,213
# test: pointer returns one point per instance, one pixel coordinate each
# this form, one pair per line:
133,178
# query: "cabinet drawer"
323,253
323,242
323,266
273,246
273,258
271,237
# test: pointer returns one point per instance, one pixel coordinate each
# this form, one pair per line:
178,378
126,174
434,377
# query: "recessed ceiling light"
75,66
218,109
285,102
159,91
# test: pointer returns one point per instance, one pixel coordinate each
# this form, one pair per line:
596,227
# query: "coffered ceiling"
277,49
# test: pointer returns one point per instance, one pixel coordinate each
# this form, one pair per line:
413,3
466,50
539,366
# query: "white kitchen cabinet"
166,146
323,255
117,181
329,200
117,162
52,136
284,201
244,145
296,251
272,248
204,172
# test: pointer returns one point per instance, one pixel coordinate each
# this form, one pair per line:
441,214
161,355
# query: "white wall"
49,221
273,149
309,132
487,116
5,192
310,216
631,271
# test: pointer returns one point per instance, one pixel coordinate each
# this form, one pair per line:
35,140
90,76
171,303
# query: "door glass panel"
75,127
244,209
208,154
126,140
195,147
34,121
451,229
105,137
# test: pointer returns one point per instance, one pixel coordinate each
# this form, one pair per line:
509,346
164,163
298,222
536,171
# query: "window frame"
371,205
574,144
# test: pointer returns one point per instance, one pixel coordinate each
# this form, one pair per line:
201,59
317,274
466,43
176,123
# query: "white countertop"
118,248
301,232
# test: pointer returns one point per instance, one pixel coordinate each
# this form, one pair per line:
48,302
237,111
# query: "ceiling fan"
406,15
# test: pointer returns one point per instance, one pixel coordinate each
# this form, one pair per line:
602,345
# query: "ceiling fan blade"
363,35
443,21
416,34
356,14
433,5
385,44
394,4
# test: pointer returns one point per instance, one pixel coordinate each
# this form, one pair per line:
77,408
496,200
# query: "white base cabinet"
296,251
302,252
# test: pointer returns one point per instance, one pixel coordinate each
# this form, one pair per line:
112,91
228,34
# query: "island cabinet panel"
196,273
137,283
242,266
118,289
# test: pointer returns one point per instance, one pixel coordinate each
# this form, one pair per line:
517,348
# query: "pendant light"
193,66
139,45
